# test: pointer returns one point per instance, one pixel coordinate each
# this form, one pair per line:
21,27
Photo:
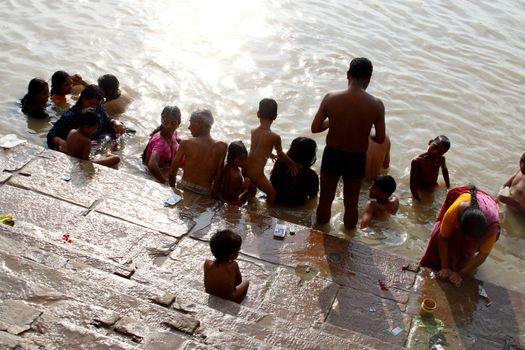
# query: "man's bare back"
203,158
349,116
351,113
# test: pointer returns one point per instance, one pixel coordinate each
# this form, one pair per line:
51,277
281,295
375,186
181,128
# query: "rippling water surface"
453,68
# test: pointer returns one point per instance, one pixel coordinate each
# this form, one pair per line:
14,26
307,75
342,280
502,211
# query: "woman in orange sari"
464,233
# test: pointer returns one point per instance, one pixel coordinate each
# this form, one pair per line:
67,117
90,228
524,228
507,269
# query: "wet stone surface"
96,261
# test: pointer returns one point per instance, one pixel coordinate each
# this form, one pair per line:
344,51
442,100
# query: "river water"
453,68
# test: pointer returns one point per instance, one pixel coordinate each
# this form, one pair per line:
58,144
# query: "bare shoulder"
220,147
208,263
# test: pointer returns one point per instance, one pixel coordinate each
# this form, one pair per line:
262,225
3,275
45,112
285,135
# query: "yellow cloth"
451,222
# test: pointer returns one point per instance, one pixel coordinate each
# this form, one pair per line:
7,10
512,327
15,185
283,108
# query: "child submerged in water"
382,201
222,276
35,101
424,169
78,143
234,188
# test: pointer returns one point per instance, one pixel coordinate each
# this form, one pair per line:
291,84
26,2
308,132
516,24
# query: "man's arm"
216,186
321,122
386,161
414,178
379,124
175,165
509,181
444,170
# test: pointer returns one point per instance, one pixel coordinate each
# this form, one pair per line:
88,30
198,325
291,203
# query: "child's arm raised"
292,167
444,170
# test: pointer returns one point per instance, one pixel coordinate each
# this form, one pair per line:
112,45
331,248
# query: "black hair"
89,117
472,221
225,243
303,150
360,68
57,80
110,86
444,141
235,149
90,92
385,183
35,87
268,108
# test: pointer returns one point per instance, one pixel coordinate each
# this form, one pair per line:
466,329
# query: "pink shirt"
157,144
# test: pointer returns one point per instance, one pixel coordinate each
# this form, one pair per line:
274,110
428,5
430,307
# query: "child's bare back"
222,276
223,279
78,145
263,142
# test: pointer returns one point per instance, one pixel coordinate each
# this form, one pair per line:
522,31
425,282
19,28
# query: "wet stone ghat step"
96,261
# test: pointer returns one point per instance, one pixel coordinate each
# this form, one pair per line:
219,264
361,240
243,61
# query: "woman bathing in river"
464,233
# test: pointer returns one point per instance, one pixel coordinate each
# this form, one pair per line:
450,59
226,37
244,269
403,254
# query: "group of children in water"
231,173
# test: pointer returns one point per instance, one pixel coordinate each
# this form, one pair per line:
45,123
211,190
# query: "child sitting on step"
222,276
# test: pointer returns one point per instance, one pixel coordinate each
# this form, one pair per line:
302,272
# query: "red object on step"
382,285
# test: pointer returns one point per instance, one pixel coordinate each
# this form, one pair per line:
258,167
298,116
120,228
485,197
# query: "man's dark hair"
360,68
268,108
225,243
386,183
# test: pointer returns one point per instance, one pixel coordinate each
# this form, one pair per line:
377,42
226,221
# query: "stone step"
222,322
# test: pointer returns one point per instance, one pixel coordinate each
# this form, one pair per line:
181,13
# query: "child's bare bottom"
262,183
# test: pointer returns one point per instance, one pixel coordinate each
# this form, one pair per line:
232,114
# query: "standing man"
349,116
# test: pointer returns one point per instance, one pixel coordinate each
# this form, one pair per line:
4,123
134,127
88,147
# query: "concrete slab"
297,297
109,191
351,310
16,316
95,233
14,159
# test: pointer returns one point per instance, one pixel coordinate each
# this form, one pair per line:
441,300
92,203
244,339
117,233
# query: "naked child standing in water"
349,116
264,140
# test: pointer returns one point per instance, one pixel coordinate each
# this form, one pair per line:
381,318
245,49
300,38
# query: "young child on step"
382,201
263,141
222,276
424,169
